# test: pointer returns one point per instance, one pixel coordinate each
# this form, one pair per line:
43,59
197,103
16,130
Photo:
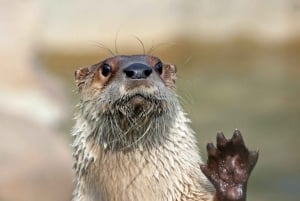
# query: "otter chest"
141,175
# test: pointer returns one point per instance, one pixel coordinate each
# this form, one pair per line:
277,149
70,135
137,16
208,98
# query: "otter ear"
169,75
173,70
80,76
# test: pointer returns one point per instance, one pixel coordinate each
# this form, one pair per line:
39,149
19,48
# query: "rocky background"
238,61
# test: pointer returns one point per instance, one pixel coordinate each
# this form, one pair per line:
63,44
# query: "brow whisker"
102,46
141,42
153,48
116,39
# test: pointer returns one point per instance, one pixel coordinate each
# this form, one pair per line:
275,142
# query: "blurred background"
238,67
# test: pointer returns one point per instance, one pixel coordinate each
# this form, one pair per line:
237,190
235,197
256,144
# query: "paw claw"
212,150
221,140
237,138
253,157
236,133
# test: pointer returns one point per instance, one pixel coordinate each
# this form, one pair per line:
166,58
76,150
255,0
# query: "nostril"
148,72
129,73
138,71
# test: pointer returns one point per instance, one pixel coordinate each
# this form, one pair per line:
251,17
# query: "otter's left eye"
106,70
159,67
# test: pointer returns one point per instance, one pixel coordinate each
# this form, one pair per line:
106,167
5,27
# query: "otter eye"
159,67
106,70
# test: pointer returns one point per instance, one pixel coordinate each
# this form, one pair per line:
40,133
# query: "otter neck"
175,161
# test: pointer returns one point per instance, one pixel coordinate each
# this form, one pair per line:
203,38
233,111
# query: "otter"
133,141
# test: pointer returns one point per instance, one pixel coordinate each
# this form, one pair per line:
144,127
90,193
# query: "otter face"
134,70
132,93
138,81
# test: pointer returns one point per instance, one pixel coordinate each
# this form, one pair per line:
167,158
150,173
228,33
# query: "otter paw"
229,166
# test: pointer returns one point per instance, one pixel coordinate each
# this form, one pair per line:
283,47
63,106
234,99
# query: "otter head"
126,100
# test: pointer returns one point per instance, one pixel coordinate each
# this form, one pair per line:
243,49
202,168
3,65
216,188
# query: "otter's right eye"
159,67
106,70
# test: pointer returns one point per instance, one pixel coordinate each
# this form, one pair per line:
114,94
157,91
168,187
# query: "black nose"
138,71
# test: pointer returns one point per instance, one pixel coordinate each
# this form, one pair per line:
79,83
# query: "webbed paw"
229,166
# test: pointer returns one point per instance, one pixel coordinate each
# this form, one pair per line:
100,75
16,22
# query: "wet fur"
124,155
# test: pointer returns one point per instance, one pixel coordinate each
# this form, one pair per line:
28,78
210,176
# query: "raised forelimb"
229,166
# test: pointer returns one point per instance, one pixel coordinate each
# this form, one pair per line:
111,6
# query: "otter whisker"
136,176
117,133
116,38
153,48
120,134
102,46
141,42
140,138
